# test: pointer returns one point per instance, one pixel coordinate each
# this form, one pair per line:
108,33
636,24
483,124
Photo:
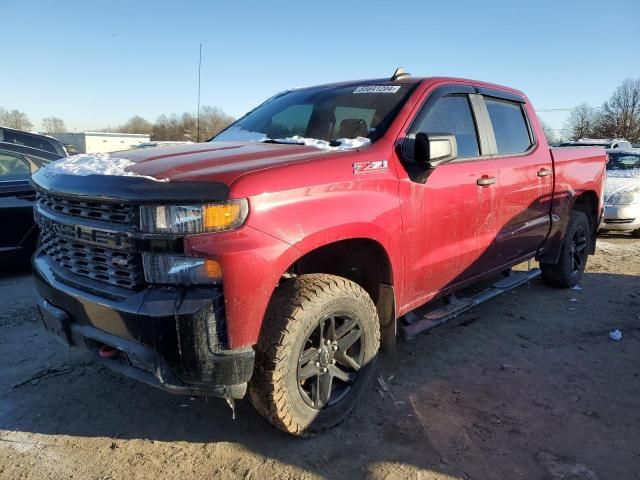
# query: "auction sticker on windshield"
377,89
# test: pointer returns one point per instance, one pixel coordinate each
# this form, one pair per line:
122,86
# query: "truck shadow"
419,418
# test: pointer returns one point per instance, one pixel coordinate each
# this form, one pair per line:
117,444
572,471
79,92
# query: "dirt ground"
526,386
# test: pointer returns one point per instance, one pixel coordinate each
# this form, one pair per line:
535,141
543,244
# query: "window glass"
11,166
623,161
324,113
291,121
509,126
33,141
348,118
452,115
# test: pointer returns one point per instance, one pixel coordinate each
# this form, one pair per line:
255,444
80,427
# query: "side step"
456,306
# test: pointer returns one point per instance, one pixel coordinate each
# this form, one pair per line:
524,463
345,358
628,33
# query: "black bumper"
171,338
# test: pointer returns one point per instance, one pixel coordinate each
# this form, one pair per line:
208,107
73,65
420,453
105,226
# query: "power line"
562,109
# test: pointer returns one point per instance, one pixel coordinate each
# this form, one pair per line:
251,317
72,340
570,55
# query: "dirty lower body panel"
171,338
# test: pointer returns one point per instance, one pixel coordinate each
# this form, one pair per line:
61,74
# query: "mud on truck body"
278,257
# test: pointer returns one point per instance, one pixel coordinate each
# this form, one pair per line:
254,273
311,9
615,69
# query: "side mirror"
430,150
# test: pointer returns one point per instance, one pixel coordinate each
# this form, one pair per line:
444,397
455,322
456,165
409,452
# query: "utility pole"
199,69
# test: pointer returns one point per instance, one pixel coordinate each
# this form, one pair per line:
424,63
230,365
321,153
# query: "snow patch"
339,144
94,164
238,134
621,181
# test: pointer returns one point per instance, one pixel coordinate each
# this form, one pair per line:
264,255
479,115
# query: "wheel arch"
364,261
588,203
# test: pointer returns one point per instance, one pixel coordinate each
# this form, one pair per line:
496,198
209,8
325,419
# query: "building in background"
102,142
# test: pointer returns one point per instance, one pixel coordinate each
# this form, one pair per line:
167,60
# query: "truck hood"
196,172
621,181
214,161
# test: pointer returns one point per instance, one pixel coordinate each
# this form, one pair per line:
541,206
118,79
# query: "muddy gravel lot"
528,385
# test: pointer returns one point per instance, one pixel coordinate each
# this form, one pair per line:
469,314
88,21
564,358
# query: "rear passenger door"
525,177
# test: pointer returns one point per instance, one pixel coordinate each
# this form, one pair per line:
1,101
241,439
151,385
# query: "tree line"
20,121
180,127
170,127
618,117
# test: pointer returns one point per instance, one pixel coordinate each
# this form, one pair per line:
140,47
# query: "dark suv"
21,154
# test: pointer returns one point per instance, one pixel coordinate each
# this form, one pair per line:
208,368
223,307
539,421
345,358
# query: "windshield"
623,161
322,115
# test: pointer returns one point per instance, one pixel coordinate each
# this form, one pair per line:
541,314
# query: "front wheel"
568,271
316,353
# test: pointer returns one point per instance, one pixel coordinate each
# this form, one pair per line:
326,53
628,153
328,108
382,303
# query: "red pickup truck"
278,256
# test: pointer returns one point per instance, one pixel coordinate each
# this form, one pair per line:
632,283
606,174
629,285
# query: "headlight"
180,269
187,219
625,198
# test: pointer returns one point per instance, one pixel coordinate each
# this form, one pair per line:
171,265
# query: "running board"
456,306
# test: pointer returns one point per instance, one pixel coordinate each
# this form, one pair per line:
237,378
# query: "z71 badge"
364,167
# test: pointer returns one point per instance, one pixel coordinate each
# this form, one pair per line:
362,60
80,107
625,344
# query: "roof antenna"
399,74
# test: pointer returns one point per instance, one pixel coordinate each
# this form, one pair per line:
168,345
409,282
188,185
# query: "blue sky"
95,64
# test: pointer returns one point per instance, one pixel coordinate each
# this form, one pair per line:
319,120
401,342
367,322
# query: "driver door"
449,213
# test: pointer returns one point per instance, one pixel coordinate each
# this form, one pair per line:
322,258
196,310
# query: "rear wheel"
636,233
315,354
568,271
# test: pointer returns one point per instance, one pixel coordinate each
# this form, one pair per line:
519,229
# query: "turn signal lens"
222,216
189,219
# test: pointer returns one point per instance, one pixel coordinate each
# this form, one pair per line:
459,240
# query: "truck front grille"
115,267
105,211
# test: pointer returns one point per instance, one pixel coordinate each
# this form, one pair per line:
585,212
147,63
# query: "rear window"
11,166
509,126
622,161
33,141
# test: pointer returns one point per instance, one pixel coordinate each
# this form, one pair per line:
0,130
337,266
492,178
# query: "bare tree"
136,124
582,122
620,117
53,125
15,119
212,121
185,126
549,132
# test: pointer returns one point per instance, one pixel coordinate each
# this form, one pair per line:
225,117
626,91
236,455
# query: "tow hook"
106,351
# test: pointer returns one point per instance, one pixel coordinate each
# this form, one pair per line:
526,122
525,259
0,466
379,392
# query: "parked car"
34,140
622,192
17,162
604,143
279,256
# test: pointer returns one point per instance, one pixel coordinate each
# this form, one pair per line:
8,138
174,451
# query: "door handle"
485,181
544,172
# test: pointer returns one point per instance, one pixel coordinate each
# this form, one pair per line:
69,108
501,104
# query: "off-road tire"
296,310
564,274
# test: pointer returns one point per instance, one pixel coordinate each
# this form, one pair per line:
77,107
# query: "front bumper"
621,217
171,338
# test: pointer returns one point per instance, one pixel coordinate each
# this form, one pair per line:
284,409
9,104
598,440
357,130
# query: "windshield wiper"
282,142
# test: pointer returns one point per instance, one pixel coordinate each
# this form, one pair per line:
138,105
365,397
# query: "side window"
509,126
452,114
291,121
11,166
